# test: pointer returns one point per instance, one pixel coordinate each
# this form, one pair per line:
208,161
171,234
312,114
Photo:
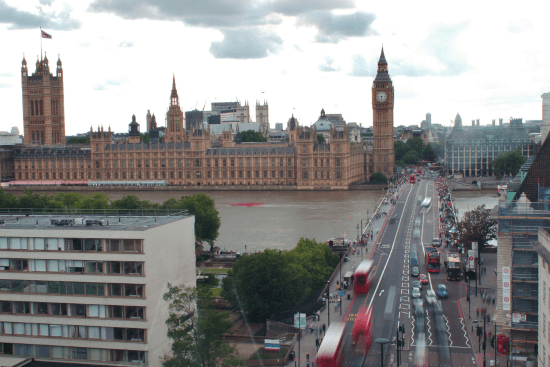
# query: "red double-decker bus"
432,260
412,179
363,277
362,330
331,352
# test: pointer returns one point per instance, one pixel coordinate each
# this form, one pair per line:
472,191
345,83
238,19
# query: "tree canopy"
202,206
378,177
78,140
274,281
321,139
251,136
508,163
414,149
195,328
477,226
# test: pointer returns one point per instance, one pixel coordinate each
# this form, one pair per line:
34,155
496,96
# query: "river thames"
286,216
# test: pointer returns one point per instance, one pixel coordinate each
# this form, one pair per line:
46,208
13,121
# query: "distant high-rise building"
43,104
279,126
382,108
193,119
214,119
221,106
429,119
545,127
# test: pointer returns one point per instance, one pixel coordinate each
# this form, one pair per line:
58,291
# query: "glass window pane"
78,288
19,328
53,265
91,289
55,330
39,244
93,332
3,243
53,287
15,243
44,330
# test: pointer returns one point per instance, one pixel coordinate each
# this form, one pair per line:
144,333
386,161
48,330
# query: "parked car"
417,284
430,297
442,291
414,271
423,279
416,293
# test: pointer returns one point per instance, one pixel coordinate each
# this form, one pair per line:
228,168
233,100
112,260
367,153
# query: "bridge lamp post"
382,341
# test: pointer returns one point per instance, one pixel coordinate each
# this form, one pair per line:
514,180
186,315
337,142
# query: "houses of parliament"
191,157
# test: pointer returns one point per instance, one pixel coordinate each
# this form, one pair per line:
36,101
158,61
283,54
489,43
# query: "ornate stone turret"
133,131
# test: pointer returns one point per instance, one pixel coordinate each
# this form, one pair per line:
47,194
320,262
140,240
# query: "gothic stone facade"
43,104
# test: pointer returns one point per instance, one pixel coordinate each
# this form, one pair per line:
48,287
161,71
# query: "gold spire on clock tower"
382,120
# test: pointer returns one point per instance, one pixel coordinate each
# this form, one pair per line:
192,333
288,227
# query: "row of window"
71,244
73,353
73,331
73,310
72,288
73,266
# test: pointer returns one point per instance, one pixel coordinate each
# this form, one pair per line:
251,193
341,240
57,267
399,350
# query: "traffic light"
307,359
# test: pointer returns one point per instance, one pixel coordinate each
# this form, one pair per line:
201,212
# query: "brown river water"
286,216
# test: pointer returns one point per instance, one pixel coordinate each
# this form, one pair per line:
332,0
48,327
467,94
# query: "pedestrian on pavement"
317,343
317,333
477,312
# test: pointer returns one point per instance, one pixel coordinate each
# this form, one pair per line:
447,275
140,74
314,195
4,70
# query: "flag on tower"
45,35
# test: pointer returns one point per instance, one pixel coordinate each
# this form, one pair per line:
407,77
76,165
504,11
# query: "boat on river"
246,204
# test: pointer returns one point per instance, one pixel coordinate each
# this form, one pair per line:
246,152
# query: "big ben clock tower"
382,120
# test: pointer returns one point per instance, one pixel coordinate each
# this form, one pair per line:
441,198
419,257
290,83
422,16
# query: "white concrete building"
89,288
542,246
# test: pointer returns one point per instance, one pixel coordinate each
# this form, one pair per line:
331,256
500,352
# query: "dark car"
414,271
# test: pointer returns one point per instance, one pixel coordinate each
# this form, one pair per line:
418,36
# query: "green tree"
428,152
251,136
95,201
411,157
78,140
508,163
477,226
207,218
378,177
265,283
127,202
144,138
321,139
400,149
415,144
195,329
70,200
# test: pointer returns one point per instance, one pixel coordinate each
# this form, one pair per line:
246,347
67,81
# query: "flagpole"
41,43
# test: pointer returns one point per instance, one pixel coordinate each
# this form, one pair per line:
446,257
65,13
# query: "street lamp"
382,341
468,295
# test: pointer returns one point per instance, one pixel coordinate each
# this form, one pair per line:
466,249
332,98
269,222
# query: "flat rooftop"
101,220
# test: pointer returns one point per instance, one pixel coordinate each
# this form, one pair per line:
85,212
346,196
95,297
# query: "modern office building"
470,150
90,288
542,246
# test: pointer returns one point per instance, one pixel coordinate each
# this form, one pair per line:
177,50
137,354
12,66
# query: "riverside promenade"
333,314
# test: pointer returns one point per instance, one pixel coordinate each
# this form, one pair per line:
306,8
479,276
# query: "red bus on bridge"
432,259
363,277
362,330
331,351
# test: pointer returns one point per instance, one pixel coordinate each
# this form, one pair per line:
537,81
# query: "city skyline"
299,58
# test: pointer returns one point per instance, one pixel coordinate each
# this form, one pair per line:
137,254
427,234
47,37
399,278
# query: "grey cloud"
245,44
328,65
46,2
48,20
205,13
293,7
5,85
441,43
126,44
402,67
333,28
360,67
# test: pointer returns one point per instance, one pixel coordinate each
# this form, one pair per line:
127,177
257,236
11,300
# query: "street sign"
297,320
302,321
474,247
506,306
273,345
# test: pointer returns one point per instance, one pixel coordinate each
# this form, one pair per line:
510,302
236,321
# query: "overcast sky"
483,59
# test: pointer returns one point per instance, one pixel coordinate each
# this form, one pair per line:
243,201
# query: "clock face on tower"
381,96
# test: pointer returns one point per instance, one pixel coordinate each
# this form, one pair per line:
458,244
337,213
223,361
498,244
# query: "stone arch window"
32,108
36,108
41,108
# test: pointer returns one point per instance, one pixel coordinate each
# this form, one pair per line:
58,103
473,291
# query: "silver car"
430,297
417,284
416,293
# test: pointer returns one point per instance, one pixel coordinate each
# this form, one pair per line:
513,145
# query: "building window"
304,175
544,292
289,174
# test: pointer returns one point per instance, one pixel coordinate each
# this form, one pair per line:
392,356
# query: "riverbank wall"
93,189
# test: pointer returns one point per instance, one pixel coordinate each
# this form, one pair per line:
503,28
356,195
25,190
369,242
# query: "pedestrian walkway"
484,302
333,314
